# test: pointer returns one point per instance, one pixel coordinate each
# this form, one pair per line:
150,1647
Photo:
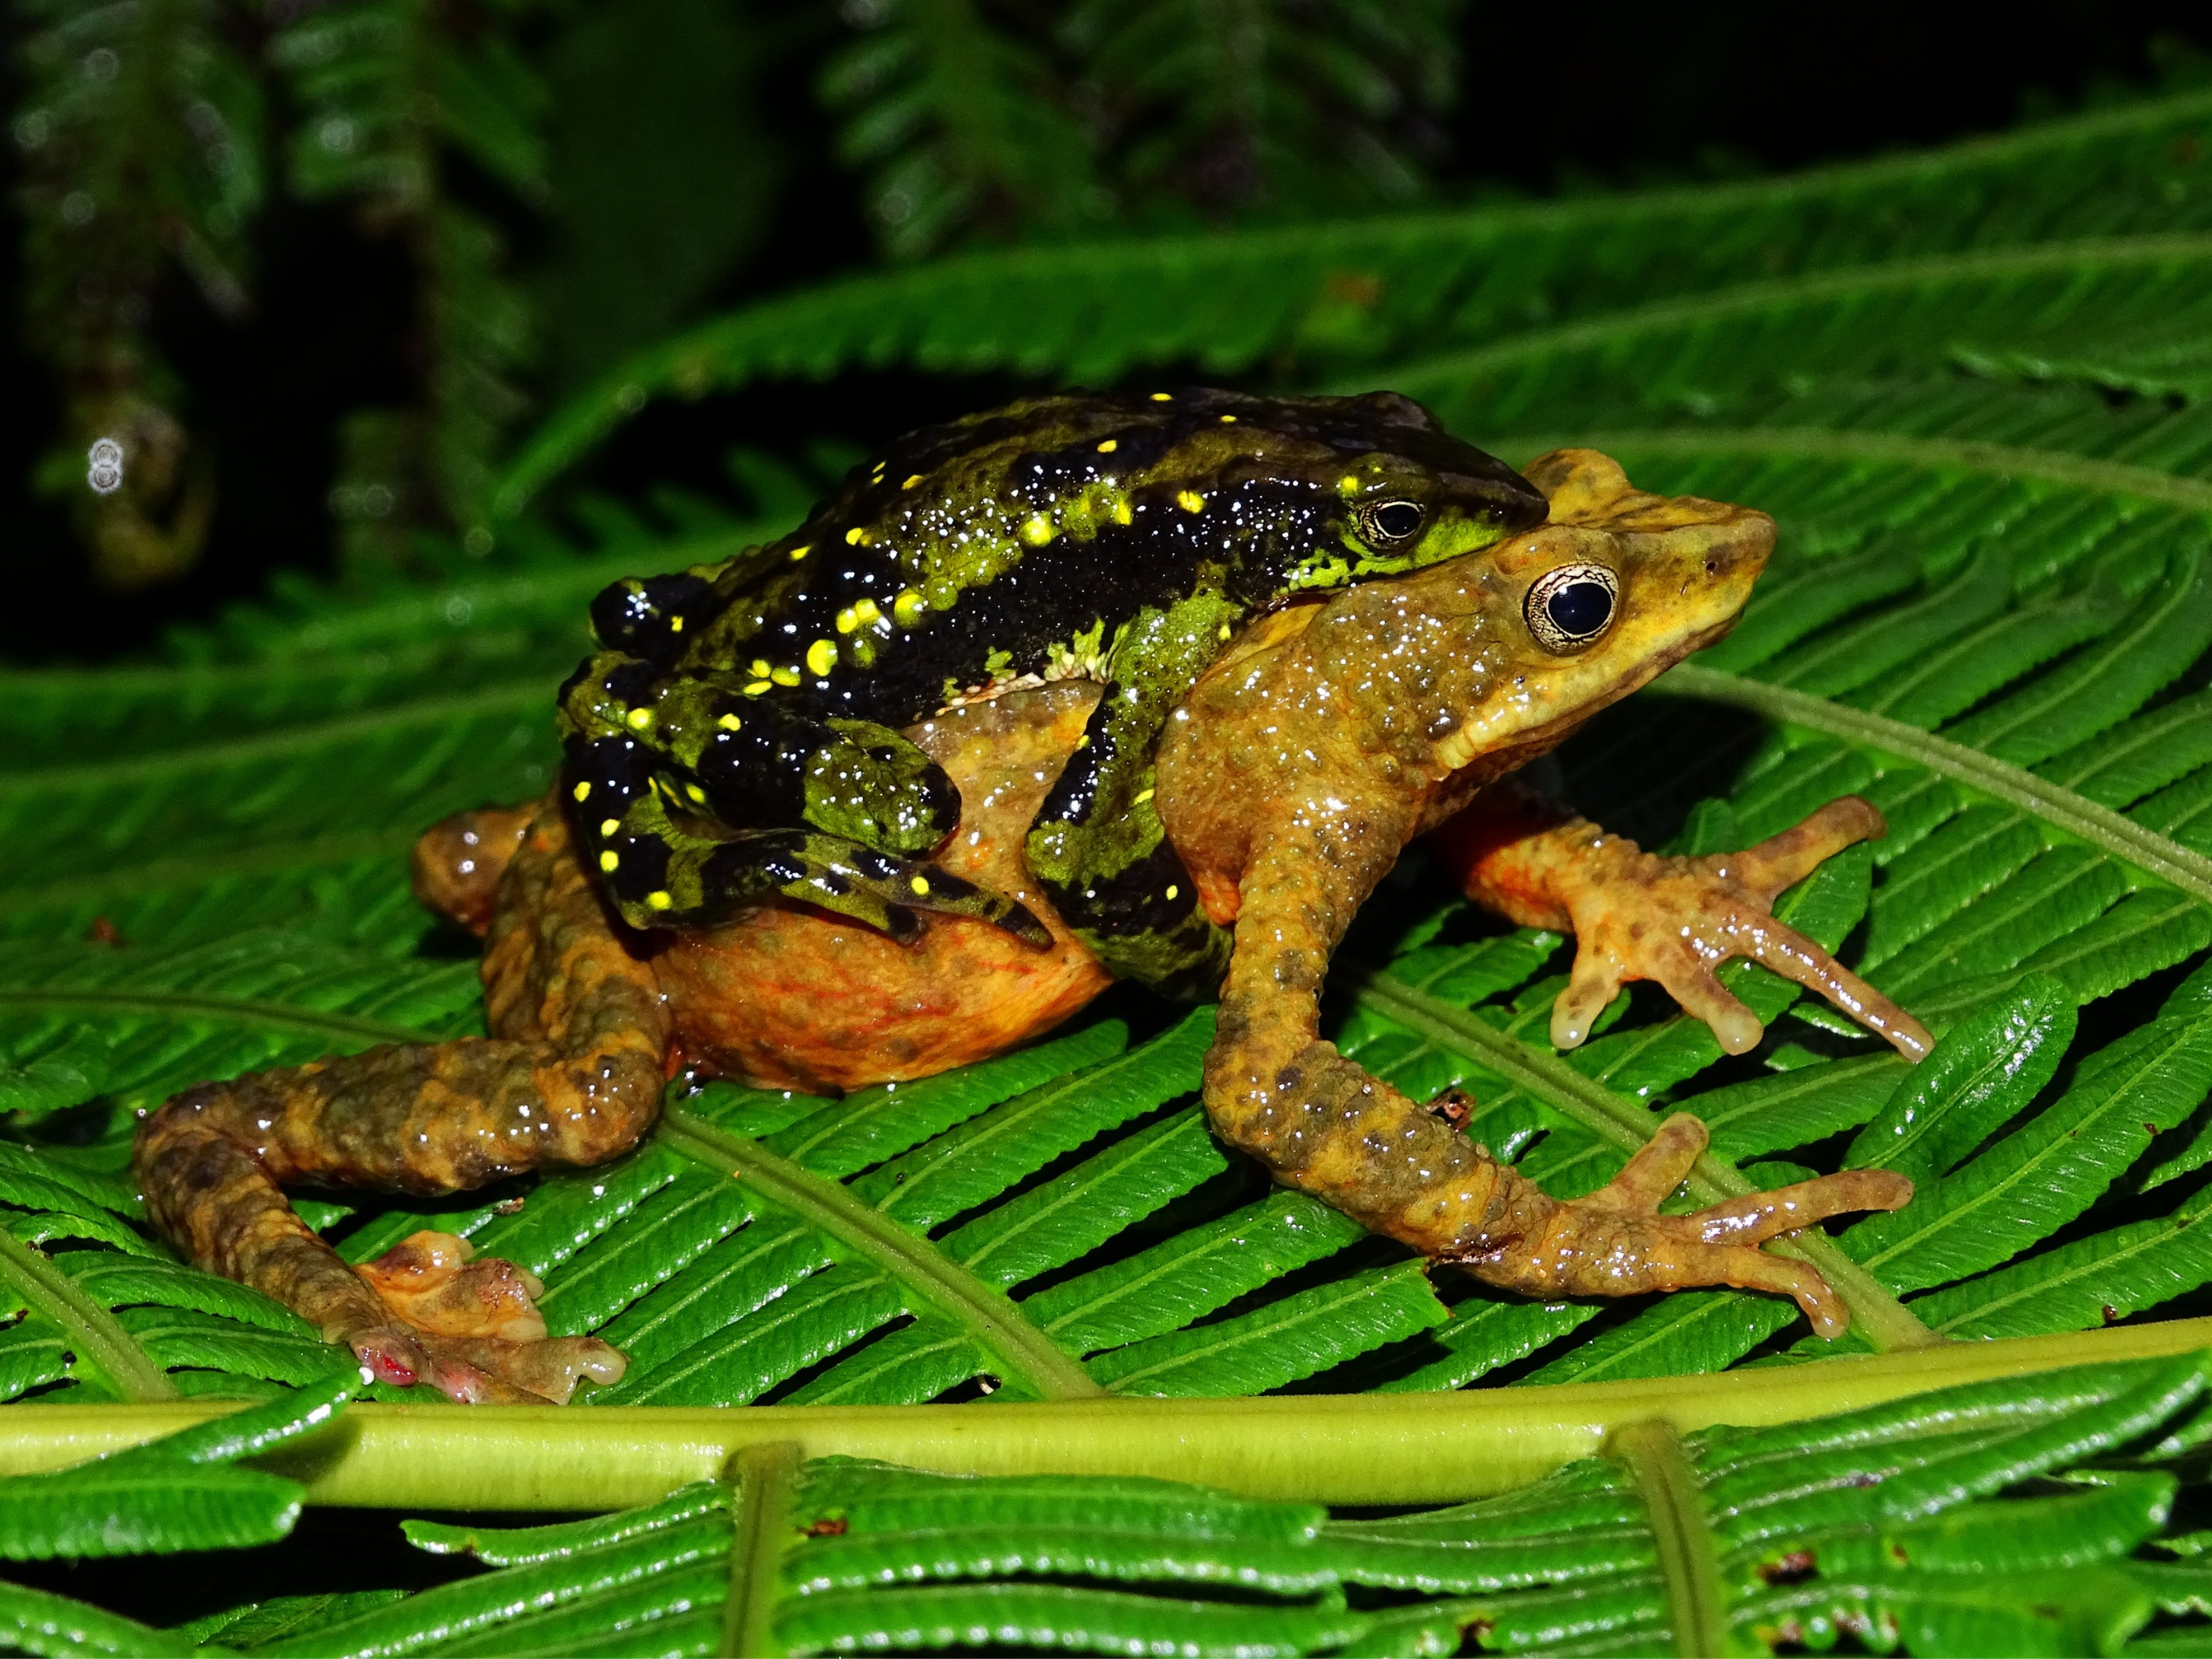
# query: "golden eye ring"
1568,608
1389,523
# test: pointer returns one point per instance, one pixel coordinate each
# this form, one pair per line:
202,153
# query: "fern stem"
763,1474
93,1333
1024,1353
1344,1448
2061,808
1651,1451
1879,1317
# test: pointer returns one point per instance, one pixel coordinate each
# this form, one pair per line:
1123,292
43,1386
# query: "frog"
1153,687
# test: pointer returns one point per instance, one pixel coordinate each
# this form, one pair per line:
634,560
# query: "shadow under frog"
1324,736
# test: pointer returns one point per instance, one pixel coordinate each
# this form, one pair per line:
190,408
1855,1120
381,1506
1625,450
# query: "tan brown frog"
1333,725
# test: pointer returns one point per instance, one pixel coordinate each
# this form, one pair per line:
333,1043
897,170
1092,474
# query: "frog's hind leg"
1323,1124
458,862
572,1076
664,866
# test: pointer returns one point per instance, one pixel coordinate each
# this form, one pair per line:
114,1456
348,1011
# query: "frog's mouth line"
1481,738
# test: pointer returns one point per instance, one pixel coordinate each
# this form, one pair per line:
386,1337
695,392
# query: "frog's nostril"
1712,567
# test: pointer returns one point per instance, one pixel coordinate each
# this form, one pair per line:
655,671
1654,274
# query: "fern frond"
142,131
1270,106
387,88
957,120
1366,292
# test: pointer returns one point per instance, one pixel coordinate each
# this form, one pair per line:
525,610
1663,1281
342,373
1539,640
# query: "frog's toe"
436,1282
1614,1242
469,1326
488,1371
1784,860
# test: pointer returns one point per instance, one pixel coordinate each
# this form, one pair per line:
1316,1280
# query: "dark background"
687,181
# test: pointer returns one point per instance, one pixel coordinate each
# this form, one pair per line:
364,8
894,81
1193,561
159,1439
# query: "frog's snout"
1726,558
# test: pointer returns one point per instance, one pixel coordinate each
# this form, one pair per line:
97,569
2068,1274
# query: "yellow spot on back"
866,613
1038,530
908,607
921,887
802,550
760,668
822,657
608,826
728,723
1228,419
756,687
608,862
1191,502
639,718
855,536
698,795
582,791
1122,512
847,621
784,676
1348,484
659,901
676,625
1225,631
1108,447
911,482
1172,891
1163,397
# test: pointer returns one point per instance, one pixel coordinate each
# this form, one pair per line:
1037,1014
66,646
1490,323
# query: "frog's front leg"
1098,845
572,1075
1639,915
1324,1125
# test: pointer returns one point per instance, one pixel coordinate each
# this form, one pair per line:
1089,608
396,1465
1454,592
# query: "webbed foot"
1640,915
1613,1242
470,1328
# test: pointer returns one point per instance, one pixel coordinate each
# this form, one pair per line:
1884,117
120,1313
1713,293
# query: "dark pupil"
1397,519
1580,609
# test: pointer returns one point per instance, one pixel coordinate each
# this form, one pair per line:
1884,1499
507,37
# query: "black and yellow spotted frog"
1123,540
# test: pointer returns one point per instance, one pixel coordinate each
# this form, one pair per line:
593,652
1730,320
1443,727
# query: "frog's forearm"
1320,1123
1098,845
1324,1125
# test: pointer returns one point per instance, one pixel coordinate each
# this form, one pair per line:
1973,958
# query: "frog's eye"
1385,524
1569,607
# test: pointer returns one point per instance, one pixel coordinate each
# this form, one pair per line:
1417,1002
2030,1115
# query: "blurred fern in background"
491,151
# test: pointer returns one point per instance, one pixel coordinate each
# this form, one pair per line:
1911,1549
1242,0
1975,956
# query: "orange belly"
795,998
